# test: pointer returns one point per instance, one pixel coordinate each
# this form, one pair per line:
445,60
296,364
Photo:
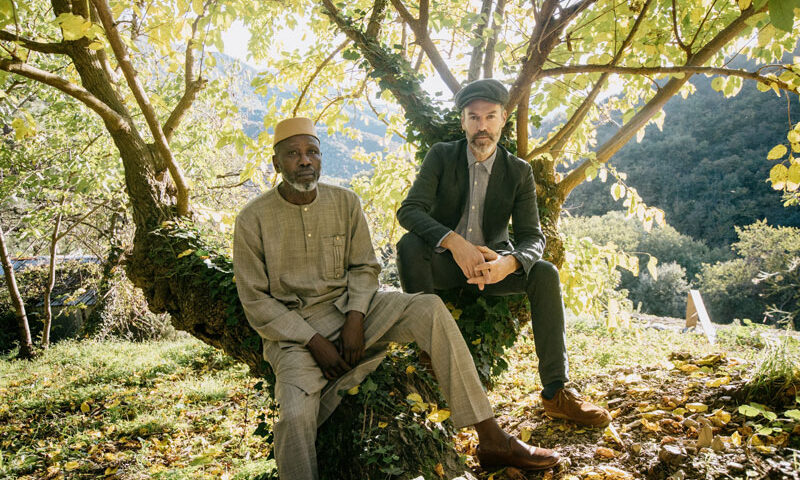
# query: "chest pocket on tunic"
333,253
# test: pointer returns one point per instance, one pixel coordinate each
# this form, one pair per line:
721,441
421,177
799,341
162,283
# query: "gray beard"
483,150
301,187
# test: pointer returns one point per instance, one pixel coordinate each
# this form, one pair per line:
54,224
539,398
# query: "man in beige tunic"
308,278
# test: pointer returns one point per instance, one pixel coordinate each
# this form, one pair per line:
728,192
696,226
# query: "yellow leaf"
439,469
605,452
793,177
353,391
438,416
721,417
185,252
85,407
793,136
456,313
689,367
525,434
410,369
736,439
717,382
778,176
652,426
110,471
744,4
778,151
697,407
414,398
611,433
74,27
383,424
72,465
477,341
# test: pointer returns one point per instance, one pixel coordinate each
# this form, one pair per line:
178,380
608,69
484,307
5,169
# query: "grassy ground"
180,409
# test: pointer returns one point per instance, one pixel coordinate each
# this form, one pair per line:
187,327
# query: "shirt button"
475,183
473,207
469,229
309,234
305,209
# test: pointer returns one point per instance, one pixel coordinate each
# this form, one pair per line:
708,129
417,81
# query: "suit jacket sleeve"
414,213
362,266
529,240
267,315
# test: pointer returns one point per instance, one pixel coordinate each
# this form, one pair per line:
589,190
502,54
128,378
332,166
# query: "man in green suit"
457,214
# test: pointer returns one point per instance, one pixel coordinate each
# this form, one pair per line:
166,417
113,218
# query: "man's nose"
305,159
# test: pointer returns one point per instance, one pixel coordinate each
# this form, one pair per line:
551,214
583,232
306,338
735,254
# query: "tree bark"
51,279
26,349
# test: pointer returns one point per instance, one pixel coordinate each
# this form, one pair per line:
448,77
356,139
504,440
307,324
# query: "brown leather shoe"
567,404
518,455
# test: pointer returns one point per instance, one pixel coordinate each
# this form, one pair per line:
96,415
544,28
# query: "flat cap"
487,89
293,126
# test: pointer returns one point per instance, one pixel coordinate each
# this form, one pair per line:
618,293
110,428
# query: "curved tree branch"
687,69
121,52
424,40
557,141
678,39
313,76
476,59
640,119
41,47
543,39
112,119
488,57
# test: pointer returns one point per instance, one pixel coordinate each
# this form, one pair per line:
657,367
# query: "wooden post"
695,309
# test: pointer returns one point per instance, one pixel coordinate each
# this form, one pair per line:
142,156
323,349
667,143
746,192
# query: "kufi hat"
487,89
293,126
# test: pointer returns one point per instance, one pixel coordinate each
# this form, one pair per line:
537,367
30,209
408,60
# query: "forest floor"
683,409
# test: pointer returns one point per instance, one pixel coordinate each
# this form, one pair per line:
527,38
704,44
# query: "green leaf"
74,27
617,191
718,83
778,151
781,13
6,9
793,414
749,410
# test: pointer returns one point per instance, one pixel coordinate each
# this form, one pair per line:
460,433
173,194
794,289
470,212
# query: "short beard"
301,187
483,149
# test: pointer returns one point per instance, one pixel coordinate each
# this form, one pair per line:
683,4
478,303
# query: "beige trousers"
410,318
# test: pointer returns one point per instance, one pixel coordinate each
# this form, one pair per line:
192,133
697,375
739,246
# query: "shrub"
761,284
664,295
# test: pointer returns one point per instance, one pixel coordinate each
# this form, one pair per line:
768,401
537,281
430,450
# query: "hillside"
707,169
336,149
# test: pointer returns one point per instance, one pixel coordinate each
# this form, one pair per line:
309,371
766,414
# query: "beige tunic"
299,269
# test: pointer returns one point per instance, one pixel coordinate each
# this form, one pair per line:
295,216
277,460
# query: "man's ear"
276,164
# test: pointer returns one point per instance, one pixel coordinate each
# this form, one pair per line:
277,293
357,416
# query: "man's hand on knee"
494,269
327,357
352,338
466,255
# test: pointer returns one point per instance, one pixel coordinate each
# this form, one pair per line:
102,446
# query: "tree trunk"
51,281
25,343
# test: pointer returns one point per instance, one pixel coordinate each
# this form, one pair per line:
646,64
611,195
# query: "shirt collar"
471,160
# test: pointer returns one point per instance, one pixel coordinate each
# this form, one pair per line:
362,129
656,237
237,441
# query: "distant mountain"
336,149
707,169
